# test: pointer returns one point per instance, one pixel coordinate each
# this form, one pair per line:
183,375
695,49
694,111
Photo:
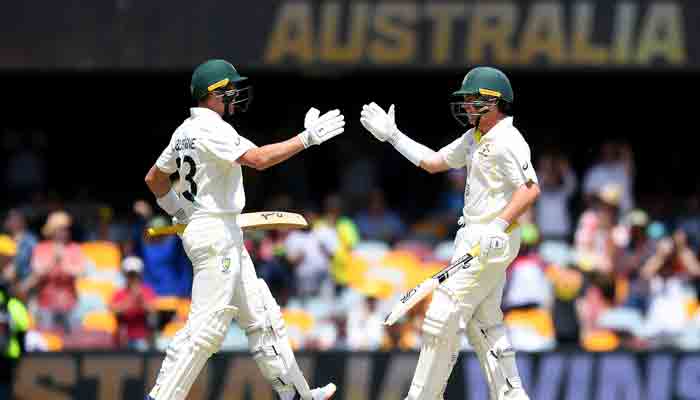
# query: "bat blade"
263,220
410,299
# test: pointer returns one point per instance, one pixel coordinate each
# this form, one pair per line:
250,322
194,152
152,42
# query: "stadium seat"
531,329
104,289
100,321
421,249
103,254
600,341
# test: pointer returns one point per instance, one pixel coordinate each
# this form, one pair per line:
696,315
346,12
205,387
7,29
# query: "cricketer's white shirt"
497,165
204,150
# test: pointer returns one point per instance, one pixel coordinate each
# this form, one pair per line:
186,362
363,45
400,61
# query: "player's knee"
442,315
498,341
210,335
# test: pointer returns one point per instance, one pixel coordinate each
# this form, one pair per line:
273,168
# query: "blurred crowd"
598,268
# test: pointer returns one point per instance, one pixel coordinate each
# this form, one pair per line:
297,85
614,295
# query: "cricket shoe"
323,393
515,394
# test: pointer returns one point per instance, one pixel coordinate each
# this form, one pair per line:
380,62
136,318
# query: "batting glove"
319,129
493,241
382,125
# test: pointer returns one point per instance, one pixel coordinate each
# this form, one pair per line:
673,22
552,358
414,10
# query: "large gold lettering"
110,372
623,29
583,51
443,16
662,35
492,26
543,34
331,48
387,23
60,372
292,35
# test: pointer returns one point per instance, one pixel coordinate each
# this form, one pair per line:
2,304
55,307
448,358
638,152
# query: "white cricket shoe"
323,393
515,394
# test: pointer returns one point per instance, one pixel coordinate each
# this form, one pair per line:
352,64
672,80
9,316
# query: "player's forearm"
434,162
158,182
266,156
523,198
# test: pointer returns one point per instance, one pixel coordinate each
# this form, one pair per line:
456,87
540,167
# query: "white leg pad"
195,348
481,349
437,355
273,353
499,357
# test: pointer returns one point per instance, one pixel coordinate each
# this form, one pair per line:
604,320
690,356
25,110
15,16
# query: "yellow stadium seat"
100,321
537,319
183,308
105,255
600,340
691,308
167,303
104,289
172,327
299,319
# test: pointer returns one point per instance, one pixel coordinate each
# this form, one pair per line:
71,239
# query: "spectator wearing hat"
8,251
16,227
56,263
132,306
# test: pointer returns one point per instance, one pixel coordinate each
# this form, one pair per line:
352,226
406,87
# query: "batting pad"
437,354
273,353
196,350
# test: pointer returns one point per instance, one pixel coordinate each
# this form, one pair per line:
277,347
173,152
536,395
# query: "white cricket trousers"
224,287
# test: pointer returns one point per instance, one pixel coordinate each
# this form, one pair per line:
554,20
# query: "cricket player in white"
501,185
208,154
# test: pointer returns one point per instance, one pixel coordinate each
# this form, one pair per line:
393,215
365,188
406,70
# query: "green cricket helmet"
221,78
491,88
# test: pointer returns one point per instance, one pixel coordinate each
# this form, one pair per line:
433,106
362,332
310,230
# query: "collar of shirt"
501,126
203,112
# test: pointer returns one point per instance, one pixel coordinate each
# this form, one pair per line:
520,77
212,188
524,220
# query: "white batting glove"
319,129
380,124
494,241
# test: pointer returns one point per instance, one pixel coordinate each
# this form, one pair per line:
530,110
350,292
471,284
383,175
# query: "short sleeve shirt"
204,150
497,164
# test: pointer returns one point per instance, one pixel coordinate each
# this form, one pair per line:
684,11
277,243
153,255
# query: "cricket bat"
418,293
263,220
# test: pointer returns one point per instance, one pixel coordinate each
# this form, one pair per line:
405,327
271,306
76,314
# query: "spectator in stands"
639,249
167,270
14,323
615,166
379,223
56,263
596,241
310,258
8,251
340,234
558,184
16,226
365,329
132,306
668,272
269,257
